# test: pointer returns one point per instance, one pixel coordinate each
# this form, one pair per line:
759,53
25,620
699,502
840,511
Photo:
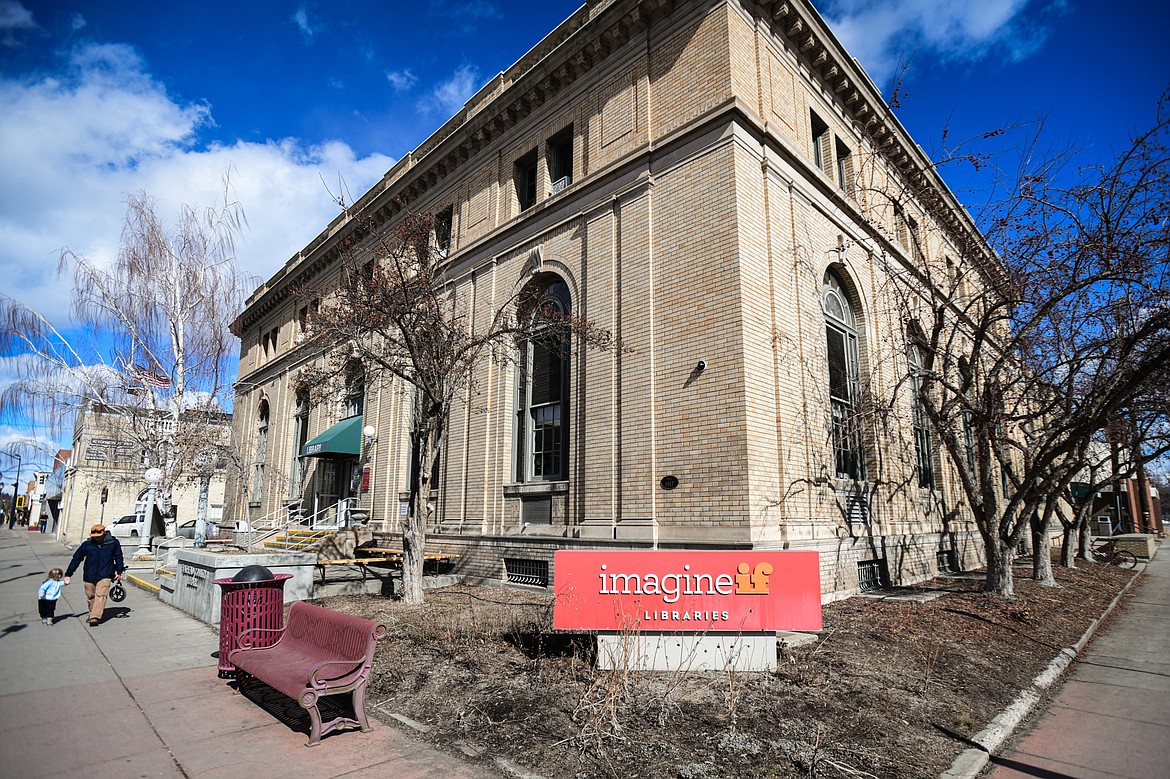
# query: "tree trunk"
1068,541
999,569
414,533
1083,532
1143,523
414,539
1041,553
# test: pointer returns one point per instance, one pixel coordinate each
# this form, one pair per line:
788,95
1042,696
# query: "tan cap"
97,530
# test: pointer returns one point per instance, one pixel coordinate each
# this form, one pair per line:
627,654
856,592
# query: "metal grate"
871,575
531,572
857,510
948,561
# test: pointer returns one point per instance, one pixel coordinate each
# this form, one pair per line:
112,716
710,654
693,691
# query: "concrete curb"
971,762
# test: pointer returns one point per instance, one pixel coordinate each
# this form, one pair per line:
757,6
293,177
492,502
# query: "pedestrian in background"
103,561
48,594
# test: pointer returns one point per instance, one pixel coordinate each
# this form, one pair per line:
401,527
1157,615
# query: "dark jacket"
103,558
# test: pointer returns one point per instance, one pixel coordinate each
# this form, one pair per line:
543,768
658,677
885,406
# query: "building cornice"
573,49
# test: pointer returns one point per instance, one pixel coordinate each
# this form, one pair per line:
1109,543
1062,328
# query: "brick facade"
698,226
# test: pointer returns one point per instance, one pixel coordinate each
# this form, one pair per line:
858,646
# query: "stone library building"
719,185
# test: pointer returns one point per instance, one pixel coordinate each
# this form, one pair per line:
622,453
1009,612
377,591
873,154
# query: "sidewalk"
1111,717
139,695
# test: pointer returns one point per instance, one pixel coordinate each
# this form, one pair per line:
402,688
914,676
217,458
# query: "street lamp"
206,461
152,477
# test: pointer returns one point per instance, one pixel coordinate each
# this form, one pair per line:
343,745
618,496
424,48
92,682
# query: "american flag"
149,378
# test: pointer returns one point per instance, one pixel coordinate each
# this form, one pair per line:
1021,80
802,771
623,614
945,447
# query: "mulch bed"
891,688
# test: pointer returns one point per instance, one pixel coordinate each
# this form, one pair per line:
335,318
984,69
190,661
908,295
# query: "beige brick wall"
696,228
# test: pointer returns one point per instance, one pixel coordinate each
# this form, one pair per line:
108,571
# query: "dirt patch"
890,688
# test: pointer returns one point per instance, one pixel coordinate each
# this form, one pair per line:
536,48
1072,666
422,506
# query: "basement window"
871,575
533,573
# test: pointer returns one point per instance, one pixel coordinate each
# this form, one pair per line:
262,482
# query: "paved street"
1111,717
138,696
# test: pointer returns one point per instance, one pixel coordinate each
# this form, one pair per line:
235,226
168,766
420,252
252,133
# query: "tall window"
923,443
844,384
907,233
543,386
300,438
525,178
820,141
844,168
443,222
354,402
261,453
560,159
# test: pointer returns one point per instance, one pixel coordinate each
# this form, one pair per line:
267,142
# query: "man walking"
103,561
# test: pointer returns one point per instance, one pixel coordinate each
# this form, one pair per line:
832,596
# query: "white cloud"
301,17
881,32
401,80
75,145
14,16
449,96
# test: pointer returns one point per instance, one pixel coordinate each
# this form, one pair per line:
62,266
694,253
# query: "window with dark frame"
820,141
355,391
844,168
560,159
443,221
844,380
907,234
923,442
300,438
261,459
543,389
525,179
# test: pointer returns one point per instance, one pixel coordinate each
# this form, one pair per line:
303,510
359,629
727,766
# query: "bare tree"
1030,352
399,314
149,339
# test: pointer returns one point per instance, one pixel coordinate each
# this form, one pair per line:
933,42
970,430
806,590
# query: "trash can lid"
253,573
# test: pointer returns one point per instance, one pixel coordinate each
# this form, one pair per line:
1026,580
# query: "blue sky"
99,99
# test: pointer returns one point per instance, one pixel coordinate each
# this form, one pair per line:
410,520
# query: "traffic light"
20,501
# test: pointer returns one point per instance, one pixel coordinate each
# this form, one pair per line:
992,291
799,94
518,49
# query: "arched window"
923,442
542,386
261,453
844,382
300,438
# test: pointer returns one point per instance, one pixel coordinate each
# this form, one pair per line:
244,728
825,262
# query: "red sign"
687,591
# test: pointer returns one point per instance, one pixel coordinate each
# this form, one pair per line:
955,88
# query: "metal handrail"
344,509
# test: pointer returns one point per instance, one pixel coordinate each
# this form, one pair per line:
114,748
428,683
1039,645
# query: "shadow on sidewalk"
288,711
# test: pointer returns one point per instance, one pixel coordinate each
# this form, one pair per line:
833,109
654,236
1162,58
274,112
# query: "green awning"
340,441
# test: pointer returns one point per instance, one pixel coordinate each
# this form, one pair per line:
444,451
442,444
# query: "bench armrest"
351,664
244,640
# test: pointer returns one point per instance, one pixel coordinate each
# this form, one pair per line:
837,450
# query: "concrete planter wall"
197,594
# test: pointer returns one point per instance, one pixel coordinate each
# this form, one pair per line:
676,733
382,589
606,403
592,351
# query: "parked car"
187,529
125,526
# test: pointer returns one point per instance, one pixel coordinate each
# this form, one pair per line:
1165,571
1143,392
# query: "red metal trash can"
247,605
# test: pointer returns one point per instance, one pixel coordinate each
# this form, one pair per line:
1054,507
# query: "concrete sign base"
687,651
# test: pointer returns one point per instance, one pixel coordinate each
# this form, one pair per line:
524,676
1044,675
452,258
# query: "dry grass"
888,691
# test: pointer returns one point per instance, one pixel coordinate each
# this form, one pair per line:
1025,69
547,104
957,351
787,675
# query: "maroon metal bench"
318,652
